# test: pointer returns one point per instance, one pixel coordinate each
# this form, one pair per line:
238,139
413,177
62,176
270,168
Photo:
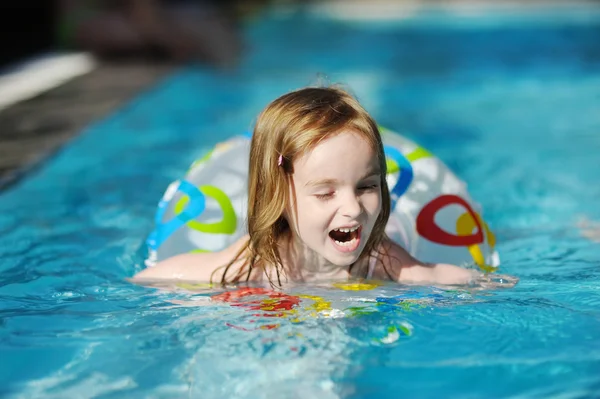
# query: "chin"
342,261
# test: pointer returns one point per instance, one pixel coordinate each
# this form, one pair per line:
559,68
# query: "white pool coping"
31,78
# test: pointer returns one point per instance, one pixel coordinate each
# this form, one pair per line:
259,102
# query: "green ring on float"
227,225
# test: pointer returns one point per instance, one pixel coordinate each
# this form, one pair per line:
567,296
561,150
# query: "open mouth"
346,239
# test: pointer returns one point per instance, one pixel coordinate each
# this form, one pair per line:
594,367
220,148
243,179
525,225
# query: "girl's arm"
437,273
192,267
407,269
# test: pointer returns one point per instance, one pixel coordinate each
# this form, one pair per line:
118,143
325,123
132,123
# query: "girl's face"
337,194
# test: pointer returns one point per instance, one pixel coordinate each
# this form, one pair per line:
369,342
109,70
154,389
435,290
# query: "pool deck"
35,128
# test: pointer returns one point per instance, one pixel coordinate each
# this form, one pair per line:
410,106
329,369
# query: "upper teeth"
350,230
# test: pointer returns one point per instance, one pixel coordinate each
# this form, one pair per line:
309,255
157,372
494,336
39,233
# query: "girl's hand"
492,281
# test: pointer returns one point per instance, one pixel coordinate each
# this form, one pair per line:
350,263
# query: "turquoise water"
512,107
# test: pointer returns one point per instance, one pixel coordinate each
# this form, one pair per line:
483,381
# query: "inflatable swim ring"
433,217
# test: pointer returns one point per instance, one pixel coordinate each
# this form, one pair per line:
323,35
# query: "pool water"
511,104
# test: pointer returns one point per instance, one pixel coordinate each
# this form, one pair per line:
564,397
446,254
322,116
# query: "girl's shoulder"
390,260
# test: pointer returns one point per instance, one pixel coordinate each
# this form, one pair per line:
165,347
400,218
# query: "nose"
351,206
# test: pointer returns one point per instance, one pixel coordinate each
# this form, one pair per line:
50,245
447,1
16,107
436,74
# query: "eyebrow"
333,182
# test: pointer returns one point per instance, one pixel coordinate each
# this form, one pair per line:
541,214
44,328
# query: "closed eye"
325,196
369,187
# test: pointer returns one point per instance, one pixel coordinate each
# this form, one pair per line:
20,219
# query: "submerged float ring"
433,217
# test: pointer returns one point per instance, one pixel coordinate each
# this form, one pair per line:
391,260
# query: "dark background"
27,29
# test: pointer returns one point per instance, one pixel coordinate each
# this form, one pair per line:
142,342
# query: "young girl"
318,203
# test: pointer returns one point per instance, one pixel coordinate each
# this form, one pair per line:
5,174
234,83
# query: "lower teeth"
345,244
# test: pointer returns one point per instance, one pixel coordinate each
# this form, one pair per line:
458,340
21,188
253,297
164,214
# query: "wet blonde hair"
290,127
